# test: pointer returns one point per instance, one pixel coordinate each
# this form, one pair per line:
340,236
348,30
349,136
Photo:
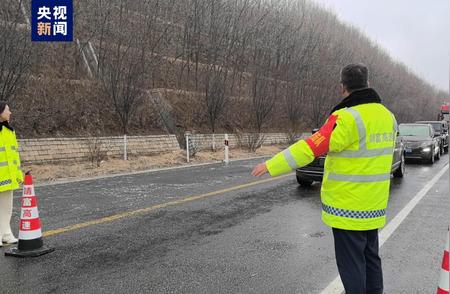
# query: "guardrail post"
226,143
187,146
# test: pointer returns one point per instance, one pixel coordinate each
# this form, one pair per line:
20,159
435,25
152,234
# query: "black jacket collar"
5,124
358,97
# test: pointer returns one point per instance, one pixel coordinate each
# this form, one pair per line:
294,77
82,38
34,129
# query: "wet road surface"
224,237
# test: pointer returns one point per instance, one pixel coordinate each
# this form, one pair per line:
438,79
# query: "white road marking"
336,287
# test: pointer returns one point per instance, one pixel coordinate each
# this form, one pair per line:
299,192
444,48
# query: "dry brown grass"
51,172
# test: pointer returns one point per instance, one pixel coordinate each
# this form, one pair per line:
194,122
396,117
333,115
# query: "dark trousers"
358,261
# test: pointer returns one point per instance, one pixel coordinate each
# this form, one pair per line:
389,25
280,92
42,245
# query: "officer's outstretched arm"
303,152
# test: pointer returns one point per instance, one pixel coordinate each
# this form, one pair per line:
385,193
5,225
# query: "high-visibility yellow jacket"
360,141
10,174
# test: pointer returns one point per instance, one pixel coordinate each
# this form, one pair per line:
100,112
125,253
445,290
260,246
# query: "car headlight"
426,149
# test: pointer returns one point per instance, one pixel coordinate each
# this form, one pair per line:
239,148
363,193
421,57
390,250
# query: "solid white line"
336,287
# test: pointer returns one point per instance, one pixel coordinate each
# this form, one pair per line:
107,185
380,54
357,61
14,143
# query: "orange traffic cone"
444,280
30,234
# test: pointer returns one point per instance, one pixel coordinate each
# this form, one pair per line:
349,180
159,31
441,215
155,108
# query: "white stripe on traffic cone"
444,279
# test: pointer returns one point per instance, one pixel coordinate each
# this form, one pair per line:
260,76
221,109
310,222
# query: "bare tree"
124,67
262,105
259,58
217,57
15,51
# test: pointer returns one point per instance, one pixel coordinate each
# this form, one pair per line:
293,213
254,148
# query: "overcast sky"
416,32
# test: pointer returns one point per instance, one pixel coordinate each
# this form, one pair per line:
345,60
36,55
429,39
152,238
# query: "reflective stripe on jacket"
10,174
355,187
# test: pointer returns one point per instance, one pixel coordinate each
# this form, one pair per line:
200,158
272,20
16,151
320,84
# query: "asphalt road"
204,230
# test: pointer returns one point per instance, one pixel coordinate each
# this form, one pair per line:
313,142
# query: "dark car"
314,171
440,131
420,142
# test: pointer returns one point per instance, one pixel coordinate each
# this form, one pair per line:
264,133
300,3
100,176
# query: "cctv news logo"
51,20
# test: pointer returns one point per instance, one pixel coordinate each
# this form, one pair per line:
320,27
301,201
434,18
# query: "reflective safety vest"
360,141
10,174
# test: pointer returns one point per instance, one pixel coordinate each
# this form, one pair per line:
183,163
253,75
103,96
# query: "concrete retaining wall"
204,141
78,149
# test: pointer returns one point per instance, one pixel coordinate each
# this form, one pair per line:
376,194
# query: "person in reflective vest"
358,138
10,174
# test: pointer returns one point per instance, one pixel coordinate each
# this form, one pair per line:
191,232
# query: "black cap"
354,76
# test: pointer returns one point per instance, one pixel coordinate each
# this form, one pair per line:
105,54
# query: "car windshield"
436,126
414,130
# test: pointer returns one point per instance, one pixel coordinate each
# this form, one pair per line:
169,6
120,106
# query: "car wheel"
400,171
431,159
304,182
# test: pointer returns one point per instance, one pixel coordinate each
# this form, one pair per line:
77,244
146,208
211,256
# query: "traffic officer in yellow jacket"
359,139
10,173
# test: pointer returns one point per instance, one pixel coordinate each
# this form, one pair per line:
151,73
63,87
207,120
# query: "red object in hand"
320,141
